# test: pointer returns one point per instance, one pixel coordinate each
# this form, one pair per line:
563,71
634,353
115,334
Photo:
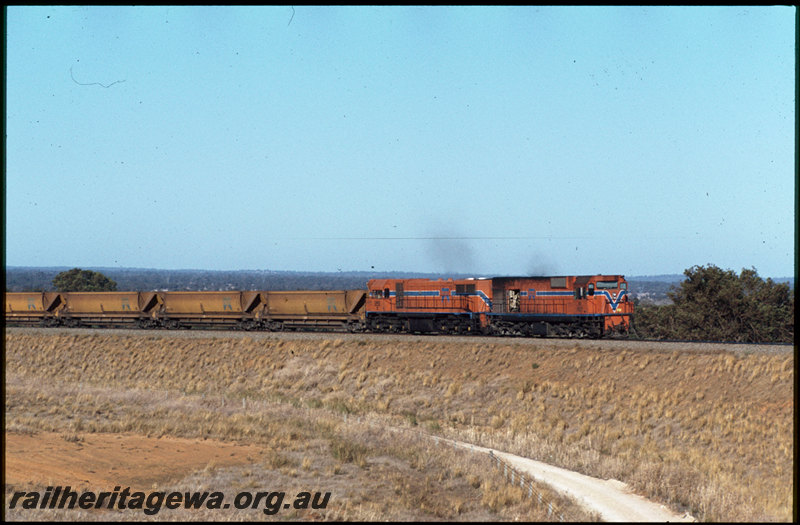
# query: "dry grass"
711,433
218,390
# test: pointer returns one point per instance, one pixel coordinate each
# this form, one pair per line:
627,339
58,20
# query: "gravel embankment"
600,344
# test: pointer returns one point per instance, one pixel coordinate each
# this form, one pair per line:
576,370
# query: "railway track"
598,344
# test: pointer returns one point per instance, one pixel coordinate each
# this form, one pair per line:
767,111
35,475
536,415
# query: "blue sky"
490,140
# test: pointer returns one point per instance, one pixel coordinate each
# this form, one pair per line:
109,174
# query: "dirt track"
611,499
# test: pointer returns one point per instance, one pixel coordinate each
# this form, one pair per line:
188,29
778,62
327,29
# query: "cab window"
462,289
606,285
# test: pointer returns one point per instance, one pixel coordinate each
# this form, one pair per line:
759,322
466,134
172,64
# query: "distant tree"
77,280
717,305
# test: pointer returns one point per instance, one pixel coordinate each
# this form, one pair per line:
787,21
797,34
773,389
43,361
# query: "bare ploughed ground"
103,461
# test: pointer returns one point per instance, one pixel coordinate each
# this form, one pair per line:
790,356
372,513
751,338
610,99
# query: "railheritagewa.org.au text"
153,502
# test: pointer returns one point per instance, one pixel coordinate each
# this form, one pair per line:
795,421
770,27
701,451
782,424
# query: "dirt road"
611,499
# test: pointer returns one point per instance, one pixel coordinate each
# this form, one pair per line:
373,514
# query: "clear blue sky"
491,140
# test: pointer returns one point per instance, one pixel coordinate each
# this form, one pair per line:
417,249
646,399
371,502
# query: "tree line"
42,279
712,304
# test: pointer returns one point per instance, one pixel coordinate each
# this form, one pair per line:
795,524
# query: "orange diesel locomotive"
568,306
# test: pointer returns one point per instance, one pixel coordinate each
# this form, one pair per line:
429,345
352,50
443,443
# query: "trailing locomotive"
565,306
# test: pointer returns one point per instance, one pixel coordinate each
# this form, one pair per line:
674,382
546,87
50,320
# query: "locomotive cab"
611,292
